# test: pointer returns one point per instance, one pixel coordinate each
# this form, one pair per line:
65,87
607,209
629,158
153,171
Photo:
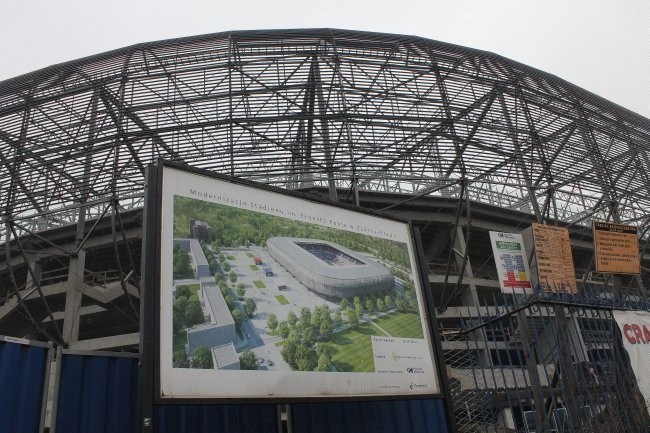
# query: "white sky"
600,45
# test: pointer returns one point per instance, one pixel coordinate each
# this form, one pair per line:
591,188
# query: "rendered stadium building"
460,141
329,269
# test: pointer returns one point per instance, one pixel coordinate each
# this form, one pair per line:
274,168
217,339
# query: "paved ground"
296,293
255,330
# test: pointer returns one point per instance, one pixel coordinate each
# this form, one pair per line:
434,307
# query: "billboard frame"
150,386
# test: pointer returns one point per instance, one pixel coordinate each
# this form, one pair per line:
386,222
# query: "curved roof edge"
7,86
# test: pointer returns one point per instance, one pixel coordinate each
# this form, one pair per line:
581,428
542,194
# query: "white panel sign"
511,262
266,295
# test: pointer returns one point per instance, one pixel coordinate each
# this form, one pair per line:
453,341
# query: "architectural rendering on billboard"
511,262
311,299
617,248
554,258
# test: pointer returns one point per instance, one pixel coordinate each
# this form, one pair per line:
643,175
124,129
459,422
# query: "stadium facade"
329,269
459,141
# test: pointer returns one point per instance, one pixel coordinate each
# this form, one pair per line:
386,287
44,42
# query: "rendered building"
201,230
219,328
199,262
225,357
329,269
459,141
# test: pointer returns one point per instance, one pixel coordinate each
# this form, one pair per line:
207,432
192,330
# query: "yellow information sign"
554,258
617,248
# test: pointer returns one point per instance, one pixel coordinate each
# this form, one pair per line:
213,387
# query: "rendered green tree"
326,329
181,291
401,303
323,363
305,313
238,317
306,358
230,301
412,300
250,306
272,322
352,316
193,313
283,329
181,263
180,305
202,358
338,318
289,350
248,360
180,360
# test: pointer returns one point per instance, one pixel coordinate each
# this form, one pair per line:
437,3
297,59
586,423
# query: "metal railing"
549,362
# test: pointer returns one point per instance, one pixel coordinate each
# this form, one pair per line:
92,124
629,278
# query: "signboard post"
511,262
554,258
264,294
617,248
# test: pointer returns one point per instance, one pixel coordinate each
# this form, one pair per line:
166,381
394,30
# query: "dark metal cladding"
22,380
97,393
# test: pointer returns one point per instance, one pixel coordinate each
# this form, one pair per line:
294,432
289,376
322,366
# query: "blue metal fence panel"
22,377
400,416
215,419
97,394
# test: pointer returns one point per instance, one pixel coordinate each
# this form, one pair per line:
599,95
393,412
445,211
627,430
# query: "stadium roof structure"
343,110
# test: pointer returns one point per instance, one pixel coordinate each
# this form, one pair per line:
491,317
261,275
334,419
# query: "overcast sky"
600,45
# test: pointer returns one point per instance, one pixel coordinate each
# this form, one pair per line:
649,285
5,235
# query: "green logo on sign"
514,246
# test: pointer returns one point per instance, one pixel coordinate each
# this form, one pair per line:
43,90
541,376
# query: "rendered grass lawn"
353,348
194,289
405,325
259,284
281,299
254,267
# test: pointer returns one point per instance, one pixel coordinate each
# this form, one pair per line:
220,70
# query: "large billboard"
617,248
265,294
554,258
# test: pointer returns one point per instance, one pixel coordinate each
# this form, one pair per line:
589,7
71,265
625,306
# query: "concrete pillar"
71,315
470,294
73,297
35,266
